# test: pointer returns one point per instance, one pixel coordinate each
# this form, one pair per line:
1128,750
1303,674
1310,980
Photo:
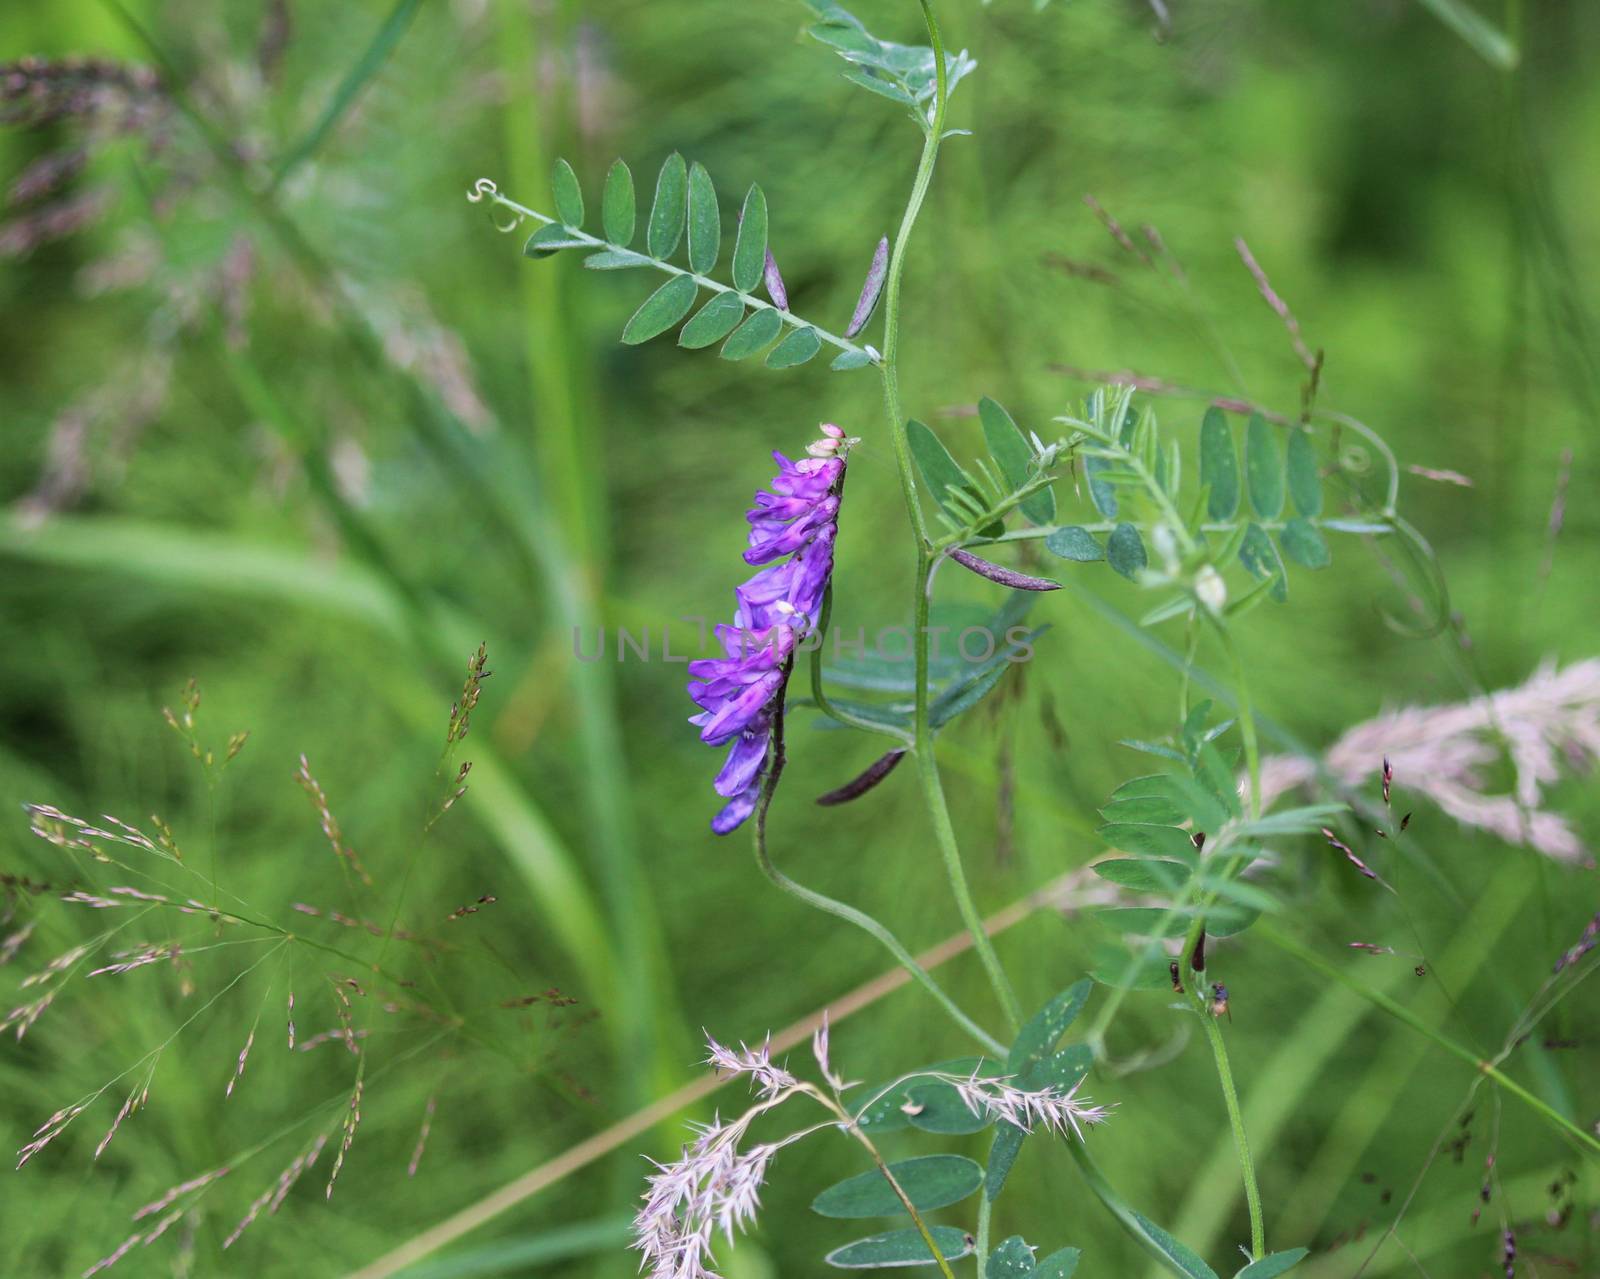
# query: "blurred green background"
308,431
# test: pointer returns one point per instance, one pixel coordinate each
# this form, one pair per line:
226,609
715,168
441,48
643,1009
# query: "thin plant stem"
1130,1220
1584,1140
1247,1163
944,833
922,739
981,1249
1247,720
851,1127
839,909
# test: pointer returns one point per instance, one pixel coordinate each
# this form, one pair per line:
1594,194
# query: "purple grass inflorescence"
799,519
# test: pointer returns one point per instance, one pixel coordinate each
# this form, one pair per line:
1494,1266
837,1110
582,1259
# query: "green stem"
1585,1140
1130,1220
1252,754
944,833
889,364
922,740
981,1250
850,914
1247,1164
1196,931
1247,720
899,1191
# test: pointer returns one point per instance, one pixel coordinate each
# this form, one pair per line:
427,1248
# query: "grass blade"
367,66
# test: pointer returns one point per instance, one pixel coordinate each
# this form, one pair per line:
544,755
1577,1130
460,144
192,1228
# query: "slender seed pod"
1005,576
869,778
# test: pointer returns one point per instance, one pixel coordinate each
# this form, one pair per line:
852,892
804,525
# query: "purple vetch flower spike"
793,524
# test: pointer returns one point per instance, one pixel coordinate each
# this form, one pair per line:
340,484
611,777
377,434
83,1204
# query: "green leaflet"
1115,966
661,310
939,470
547,240
618,209
1144,874
1305,479
705,222
1042,1032
1003,1154
1302,542
1154,841
937,1101
1011,1259
1260,556
1263,468
1219,465
713,322
1154,810
1074,543
1013,455
750,245
929,1181
1177,1253
1101,492
900,1248
1270,1267
755,334
615,260
568,194
801,345
1125,551
1058,1265
668,211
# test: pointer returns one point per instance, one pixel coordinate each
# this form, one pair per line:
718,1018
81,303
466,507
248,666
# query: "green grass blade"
368,65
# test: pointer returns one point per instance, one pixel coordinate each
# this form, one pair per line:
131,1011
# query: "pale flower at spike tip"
798,518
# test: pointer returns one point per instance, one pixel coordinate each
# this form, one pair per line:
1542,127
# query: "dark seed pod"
1005,576
870,290
856,788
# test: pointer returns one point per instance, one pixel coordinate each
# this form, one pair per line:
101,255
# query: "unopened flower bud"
1211,589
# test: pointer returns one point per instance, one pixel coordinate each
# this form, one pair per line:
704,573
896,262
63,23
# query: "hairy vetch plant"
1211,530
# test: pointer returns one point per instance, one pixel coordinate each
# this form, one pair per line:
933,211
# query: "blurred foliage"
309,448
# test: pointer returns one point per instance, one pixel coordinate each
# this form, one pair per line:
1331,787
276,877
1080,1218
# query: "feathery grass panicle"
271,1199
1028,1109
1546,727
12,943
422,1136
347,1133
238,1070
471,690
330,824
136,1101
